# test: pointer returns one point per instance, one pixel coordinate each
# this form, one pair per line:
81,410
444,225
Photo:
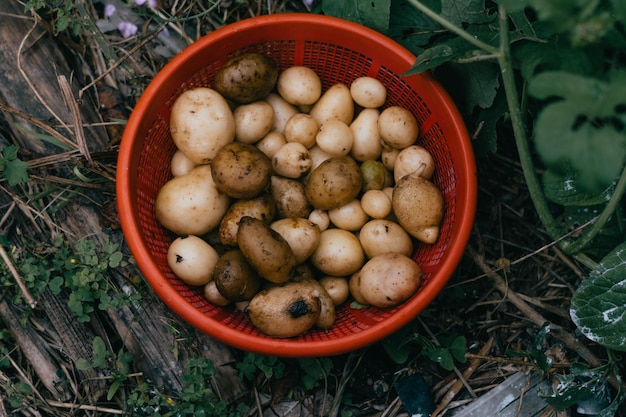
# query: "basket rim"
271,346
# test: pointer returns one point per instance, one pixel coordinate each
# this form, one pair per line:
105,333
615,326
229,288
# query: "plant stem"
455,29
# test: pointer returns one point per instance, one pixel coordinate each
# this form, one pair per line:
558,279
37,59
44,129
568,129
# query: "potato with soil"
235,278
241,170
335,182
286,310
191,204
201,122
389,279
262,207
302,235
266,250
246,78
419,207
290,197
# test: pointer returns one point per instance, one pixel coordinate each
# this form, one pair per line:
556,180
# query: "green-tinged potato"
337,288
339,253
368,92
213,296
253,121
290,197
389,279
299,85
235,278
286,310
192,259
374,174
191,204
398,127
201,122
262,207
266,250
380,236
302,235
246,78
419,207
241,170
414,159
335,182
335,103
367,143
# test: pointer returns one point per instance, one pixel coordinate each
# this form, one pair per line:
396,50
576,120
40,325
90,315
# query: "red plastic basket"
339,51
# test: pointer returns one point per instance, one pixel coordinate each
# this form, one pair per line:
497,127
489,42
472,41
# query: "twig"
79,133
458,385
16,276
84,407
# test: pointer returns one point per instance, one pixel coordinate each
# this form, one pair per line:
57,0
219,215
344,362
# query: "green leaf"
562,187
458,347
620,9
116,259
514,5
465,11
598,305
551,56
373,13
16,172
10,152
411,28
83,364
565,84
443,357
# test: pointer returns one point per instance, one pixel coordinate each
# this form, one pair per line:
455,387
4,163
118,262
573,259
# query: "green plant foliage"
13,168
599,304
315,371
252,364
374,13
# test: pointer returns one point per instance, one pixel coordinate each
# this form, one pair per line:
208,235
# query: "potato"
350,216
262,207
414,159
290,197
246,78
398,127
299,85
213,295
335,137
374,175
376,204
318,156
283,111
338,253
328,315
271,143
368,92
292,160
286,310
235,278
333,183
301,128
367,143
320,218
337,288
302,235
335,103
253,121
181,164
389,279
201,122
192,259
266,250
354,285
419,206
241,170
380,236
191,204
388,157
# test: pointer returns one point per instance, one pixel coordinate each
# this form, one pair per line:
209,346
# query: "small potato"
389,279
299,85
192,260
335,137
388,157
328,315
398,127
301,128
292,160
181,164
235,278
253,121
374,175
337,288
213,295
376,204
413,159
335,103
367,144
354,285
350,216
339,253
301,234
368,92
201,122
381,236
283,111
318,156
290,197
266,250
246,78
191,204
271,143
320,218
333,183
241,170
262,207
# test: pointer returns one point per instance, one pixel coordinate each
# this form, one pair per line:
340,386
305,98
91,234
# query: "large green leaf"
599,304
372,13
561,186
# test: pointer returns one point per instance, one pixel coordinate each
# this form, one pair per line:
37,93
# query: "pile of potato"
288,200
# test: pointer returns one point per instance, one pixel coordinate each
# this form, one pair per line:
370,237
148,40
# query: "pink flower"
151,3
109,10
128,29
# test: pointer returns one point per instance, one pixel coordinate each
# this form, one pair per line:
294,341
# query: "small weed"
252,364
315,372
14,170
